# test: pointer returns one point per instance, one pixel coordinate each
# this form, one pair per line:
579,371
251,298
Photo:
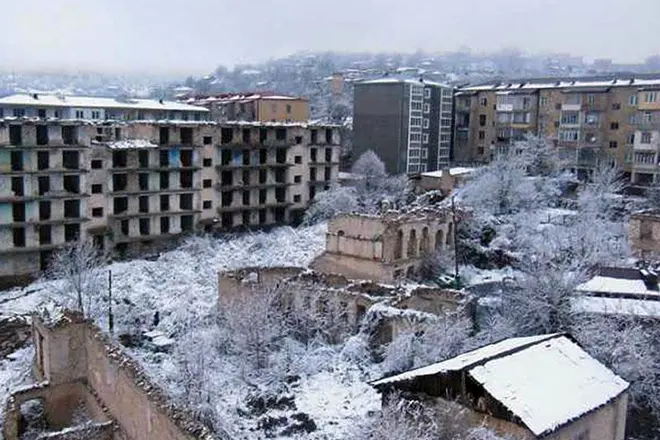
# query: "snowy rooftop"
400,80
240,97
621,282
452,172
96,102
131,143
641,308
562,83
546,381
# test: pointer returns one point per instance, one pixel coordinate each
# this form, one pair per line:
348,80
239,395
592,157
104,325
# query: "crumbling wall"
644,233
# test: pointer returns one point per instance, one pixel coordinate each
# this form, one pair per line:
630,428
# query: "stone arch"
398,247
439,239
424,242
412,244
450,234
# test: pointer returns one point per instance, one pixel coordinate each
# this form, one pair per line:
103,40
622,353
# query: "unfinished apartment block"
88,388
387,247
131,186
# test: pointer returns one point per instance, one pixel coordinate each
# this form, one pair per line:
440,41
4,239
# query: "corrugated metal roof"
96,102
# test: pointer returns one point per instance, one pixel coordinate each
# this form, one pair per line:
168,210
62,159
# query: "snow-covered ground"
15,371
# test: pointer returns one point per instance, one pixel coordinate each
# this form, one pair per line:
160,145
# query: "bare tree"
77,267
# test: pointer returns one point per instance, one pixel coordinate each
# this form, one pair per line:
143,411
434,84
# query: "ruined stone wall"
644,233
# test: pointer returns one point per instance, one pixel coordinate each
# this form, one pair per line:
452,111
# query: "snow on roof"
643,308
549,384
131,143
96,102
562,83
546,381
395,80
452,172
604,284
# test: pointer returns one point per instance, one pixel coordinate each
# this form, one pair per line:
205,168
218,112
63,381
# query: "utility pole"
453,217
111,323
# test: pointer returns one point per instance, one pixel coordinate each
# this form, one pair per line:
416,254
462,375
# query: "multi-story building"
406,122
591,120
646,140
130,184
253,107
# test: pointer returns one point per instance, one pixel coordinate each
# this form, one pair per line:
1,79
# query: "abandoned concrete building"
260,107
398,308
644,233
81,375
386,247
524,388
131,184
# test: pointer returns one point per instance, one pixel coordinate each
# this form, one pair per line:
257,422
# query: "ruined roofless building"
386,247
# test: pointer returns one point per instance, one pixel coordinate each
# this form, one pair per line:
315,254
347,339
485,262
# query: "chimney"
35,96
160,101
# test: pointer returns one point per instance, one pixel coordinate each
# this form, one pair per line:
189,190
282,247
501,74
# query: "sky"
195,36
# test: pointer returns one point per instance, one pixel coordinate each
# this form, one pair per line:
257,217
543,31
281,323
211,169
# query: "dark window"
17,161
164,135
312,174
226,198
143,181
207,204
42,135
186,158
164,203
43,160
280,195
262,216
312,154
558,106
186,135
314,137
119,159
16,135
328,154
97,164
119,182
262,196
71,160
482,120
227,178
18,212
327,173
299,140
44,210
296,198
279,215
263,135
71,208
186,202
19,237
246,218
17,186
328,135
208,162
186,179
226,156
97,188
124,225
616,106
246,177
143,158
164,225
97,212
120,205
208,140
614,144
482,135
71,184
164,158
245,135
164,180
143,203
117,133
280,175
41,113
43,182
480,150
226,135
187,223
297,179
280,134
45,234
69,135
246,198
614,126
280,156
71,232
297,159
263,176
263,156
144,226
246,157
207,183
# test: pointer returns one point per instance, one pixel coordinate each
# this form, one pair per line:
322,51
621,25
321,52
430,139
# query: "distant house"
525,388
445,181
619,291
261,107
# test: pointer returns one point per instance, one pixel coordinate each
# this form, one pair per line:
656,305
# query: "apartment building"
253,107
646,140
131,184
591,120
407,122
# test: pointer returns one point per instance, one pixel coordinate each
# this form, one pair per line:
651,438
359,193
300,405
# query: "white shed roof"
43,100
641,308
546,381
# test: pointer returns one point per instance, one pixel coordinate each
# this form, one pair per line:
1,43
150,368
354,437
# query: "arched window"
450,234
340,233
439,239
424,242
398,246
412,244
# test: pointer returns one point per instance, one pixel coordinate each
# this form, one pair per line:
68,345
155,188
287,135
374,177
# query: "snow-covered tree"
77,267
370,167
335,201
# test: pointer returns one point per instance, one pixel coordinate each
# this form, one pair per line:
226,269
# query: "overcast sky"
194,36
